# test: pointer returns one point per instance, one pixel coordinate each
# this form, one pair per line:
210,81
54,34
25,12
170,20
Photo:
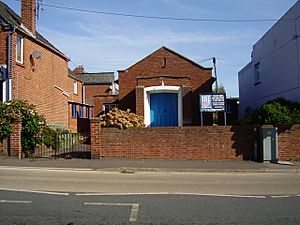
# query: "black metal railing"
69,145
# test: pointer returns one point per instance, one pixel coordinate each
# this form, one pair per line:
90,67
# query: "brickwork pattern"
15,140
44,82
139,94
28,14
164,65
3,47
175,143
92,90
289,142
103,99
95,138
194,143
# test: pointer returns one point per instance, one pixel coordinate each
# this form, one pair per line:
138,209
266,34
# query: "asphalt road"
199,183
35,196
22,208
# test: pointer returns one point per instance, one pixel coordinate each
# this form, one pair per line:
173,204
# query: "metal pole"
225,118
215,72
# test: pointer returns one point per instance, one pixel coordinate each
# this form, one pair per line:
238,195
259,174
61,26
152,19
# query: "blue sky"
110,43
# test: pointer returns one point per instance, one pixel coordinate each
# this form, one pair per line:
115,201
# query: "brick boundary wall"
15,140
188,143
12,145
174,143
289,142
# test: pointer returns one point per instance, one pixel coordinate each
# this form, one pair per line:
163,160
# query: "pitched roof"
173,52
8,16
72,75
96,78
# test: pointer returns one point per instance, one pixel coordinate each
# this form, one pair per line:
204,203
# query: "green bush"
276,112
32,123
51,136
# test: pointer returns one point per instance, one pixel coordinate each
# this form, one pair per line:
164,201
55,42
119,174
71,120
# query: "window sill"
20,64
257,83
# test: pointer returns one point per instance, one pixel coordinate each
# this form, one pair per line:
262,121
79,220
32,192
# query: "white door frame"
161,89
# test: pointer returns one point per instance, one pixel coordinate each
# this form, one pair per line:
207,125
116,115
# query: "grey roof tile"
96,78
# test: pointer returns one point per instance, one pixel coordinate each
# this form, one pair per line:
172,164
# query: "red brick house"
33,69
164,88
99,89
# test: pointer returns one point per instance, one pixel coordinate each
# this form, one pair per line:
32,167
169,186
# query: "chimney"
78,70
28,15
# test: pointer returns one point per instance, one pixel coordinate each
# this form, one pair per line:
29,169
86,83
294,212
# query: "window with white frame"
108,107
75,87
257,74
19,49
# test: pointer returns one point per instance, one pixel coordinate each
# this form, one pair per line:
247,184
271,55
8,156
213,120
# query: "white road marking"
39,192
281,196
170,193
117,194
15,201
222,195
134,212
134,208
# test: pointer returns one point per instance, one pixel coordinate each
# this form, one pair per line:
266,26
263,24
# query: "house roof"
96,78
173,52
8,16
72,75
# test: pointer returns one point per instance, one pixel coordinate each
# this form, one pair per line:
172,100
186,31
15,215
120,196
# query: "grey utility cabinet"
268,145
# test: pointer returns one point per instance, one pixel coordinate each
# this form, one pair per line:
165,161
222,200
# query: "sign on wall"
212,103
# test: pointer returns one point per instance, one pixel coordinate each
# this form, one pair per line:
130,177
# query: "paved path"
129,165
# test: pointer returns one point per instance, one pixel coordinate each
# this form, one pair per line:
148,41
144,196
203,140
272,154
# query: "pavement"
151,165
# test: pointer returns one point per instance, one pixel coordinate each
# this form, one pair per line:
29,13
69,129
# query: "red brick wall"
183,72
2,47
195,143
103,99
34,80
289,142
28,14
75,97
175,143
15,140
92,90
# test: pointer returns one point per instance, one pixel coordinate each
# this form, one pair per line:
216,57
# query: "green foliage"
32,123
221,89
278,111
51,136
5,123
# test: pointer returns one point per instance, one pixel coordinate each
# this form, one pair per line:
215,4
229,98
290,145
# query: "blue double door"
163,109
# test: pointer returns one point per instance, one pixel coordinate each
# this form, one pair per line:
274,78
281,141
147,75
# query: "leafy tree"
32,123
221,89
278,111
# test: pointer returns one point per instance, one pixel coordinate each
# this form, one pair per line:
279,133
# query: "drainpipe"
10,30
9,75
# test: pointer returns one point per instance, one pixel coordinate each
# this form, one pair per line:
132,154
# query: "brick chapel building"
164,88
33,69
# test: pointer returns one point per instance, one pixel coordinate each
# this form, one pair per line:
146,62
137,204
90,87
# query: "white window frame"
19,37
162,89
75,87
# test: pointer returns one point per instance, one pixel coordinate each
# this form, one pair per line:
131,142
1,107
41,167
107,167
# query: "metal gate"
69,145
